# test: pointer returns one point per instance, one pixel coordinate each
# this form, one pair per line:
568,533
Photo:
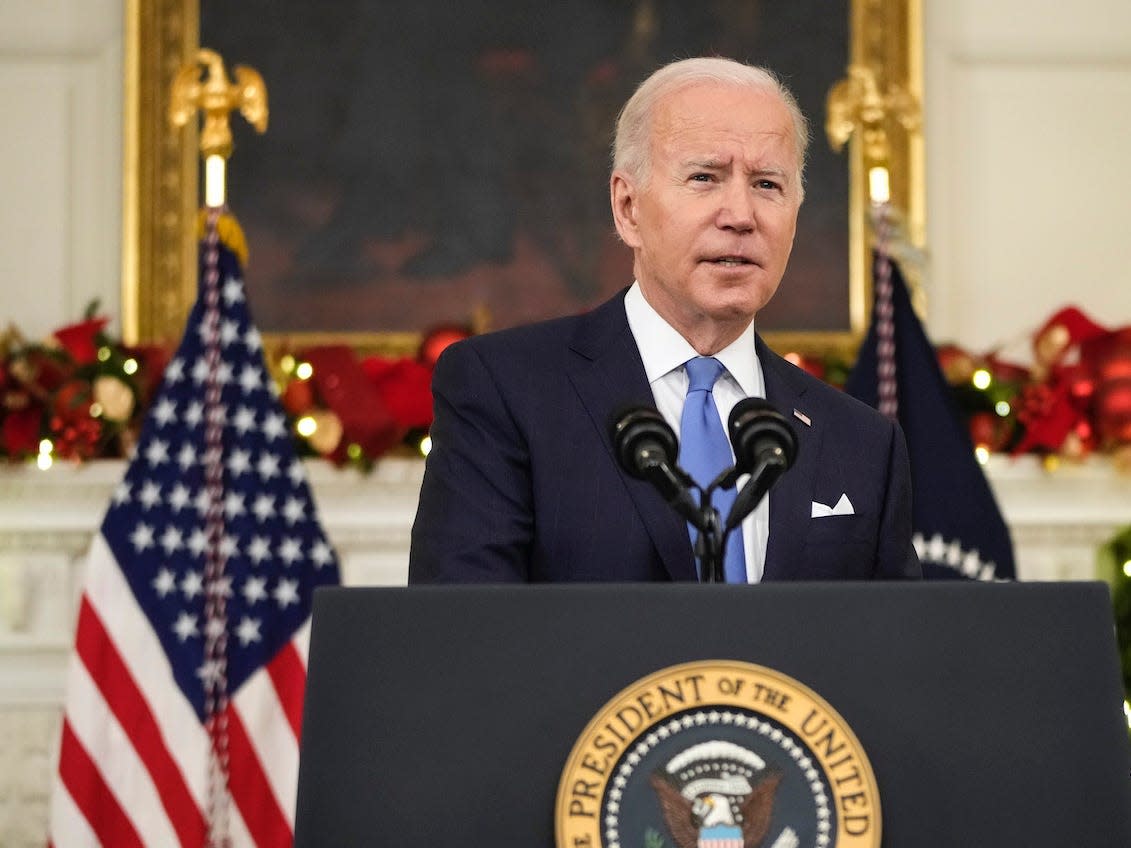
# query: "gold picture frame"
161,173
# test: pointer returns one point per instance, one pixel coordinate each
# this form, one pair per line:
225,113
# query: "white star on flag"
197,543
255,590
233,505
157,452
171,540
121,493
275,426
192,584
268,466
165,582
223,373
293,510
202,502
264,507
248,630
286,593
290,551
259,549
296,473
251,378
229,332
321,554
164,411
239,462
142,537
233,292
244,420
185,626
150,495
186,456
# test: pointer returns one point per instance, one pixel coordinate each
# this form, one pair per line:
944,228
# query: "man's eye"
769,185
701,178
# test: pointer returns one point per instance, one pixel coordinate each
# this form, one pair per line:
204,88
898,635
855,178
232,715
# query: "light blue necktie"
704,453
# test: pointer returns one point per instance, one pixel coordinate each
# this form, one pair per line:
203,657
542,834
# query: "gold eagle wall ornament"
858,104
216,96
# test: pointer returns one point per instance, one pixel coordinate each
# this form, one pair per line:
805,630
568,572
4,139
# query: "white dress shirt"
664,352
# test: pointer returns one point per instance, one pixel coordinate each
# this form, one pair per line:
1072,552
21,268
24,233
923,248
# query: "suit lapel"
791,498
609,376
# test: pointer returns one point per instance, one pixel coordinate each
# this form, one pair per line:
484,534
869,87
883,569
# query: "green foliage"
1115,562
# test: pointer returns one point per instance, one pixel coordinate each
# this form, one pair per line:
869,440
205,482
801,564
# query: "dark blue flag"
959,531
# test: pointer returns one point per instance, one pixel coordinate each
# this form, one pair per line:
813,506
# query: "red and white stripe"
134,757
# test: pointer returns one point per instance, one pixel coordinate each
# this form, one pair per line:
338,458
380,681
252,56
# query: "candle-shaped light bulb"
879,188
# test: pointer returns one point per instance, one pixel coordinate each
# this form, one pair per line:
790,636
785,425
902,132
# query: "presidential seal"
717,754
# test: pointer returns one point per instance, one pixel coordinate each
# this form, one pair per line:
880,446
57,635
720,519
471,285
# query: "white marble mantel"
47,519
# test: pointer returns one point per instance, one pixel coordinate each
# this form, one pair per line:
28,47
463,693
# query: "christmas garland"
81,394
77,395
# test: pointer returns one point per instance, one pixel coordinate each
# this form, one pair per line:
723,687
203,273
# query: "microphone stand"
710,547
711,543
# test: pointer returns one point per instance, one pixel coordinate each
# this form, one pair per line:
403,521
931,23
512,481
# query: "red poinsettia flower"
405,389
20,431
80,340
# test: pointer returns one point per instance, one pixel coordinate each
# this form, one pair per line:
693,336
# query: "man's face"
713,226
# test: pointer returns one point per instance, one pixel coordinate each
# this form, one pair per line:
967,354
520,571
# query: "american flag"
184,692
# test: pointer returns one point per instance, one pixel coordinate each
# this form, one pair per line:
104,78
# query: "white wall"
1028,134
60,160
1028,130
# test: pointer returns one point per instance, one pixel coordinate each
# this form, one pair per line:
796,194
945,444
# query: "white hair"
632,143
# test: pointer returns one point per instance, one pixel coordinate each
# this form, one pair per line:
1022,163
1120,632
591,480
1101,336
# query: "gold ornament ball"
115,398
327,433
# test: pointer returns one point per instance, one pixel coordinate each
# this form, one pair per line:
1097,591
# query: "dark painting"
427,158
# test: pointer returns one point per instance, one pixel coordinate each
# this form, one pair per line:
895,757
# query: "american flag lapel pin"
802,417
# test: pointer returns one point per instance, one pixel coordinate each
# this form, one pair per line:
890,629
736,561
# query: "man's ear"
622,195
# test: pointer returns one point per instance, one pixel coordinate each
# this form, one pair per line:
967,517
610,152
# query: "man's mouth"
730,261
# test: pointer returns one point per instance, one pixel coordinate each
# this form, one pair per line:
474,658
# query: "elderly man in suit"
522,483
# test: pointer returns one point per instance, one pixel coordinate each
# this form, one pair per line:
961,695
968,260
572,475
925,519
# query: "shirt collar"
663,349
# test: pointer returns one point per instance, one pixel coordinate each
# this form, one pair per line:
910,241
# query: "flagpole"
880,193
216,97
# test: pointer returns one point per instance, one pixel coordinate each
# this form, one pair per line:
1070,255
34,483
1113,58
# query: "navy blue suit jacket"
522,484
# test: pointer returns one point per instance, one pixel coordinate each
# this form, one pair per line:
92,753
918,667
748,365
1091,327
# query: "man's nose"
737,209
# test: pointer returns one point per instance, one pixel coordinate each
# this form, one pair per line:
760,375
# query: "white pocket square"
843,507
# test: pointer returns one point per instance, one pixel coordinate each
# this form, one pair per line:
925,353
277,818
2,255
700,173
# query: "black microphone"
646,448
764,447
